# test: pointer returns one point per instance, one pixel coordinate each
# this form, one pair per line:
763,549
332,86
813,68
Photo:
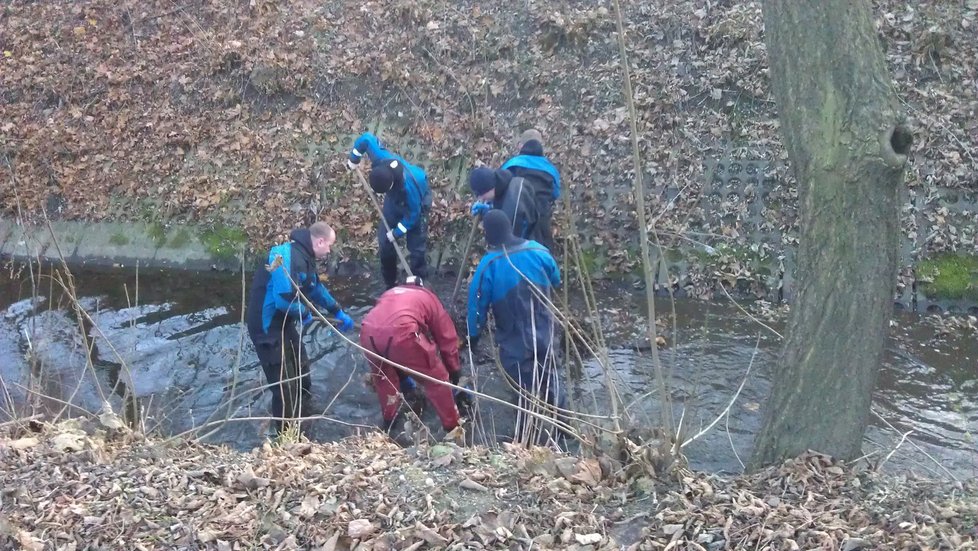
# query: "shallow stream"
175,340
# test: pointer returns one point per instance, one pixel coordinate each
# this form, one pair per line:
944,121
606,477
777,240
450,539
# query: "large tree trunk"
842,128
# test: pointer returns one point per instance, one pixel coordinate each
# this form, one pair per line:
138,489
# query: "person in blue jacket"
274,308
407,201
507,281
515,196
531,165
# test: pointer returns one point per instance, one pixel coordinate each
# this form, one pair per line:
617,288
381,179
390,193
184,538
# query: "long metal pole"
464,260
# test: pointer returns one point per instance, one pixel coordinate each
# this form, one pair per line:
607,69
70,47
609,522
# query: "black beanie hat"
498,228
532,147
481,180
384,175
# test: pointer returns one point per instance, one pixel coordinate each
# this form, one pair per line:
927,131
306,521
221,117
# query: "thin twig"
914,444
726,426
53,399
639,192
736,395
270,418
748,314
893,451
21,420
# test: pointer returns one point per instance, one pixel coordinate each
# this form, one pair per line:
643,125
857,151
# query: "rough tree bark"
846,141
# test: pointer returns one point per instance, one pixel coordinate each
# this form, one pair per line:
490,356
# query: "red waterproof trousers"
409,326
413,350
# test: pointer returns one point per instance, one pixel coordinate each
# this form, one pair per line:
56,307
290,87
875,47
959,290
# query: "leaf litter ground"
83,485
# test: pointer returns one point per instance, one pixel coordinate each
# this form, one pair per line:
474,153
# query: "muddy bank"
178,246
149,245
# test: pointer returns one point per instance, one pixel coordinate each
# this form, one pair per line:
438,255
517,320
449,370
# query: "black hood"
386,175
499,229
532,147
303,239
503,177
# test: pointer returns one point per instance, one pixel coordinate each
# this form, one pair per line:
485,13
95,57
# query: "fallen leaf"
23,443
588,472
429,535
68,442
470,484
855,544
330,544
567,467
670,529
309,506
252,482
110,420
360,528
588,539
28,541
439,450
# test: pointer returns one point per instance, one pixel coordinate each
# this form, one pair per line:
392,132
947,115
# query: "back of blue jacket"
505,281
539,171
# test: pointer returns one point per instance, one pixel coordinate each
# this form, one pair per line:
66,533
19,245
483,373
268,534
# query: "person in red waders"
409,326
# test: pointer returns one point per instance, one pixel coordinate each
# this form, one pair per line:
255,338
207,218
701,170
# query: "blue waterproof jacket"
413,197
538,170
273,294
502,281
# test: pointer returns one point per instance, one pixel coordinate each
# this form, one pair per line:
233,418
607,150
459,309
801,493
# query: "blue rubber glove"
306,319
479,208
346,322
407,383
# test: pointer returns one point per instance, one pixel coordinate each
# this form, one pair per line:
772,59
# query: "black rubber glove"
463,401
454,377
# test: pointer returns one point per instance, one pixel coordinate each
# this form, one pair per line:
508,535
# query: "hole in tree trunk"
900,140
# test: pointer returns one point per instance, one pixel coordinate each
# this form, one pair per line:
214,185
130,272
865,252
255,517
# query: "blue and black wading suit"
515,196
531,165
273,311
406,206
524,325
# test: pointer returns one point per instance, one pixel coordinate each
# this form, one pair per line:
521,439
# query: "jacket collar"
303,239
